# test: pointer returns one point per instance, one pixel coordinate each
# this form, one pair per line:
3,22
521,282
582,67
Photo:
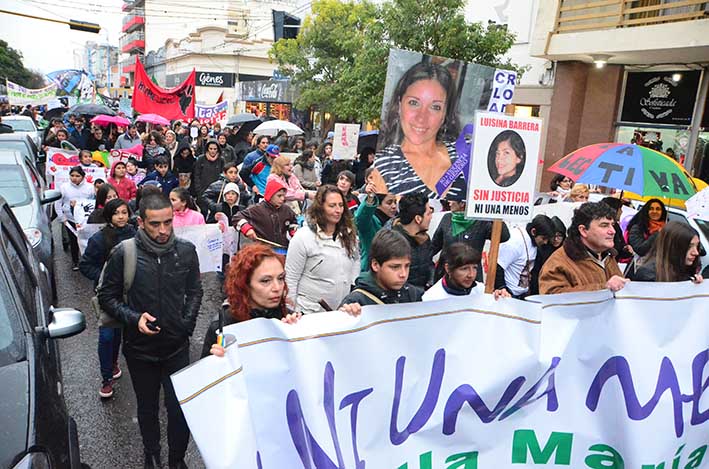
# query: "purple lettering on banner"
466,393
463,147
311,453
667,380
429,401
550,392
354,399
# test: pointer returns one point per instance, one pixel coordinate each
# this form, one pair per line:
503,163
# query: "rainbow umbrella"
627,167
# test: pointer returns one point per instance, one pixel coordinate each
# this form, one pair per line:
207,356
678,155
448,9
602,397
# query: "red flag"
174,104
221,98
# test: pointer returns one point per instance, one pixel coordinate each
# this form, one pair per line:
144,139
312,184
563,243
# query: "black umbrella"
91,109
241,118
57,112
247,127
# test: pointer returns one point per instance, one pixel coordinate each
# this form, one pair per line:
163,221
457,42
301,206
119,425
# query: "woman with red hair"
255,285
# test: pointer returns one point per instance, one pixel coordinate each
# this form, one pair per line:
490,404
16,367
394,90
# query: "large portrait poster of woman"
427,121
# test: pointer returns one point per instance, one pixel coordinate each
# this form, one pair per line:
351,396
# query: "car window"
674,216
17,146
20,270
703,226
34,175
11,342
19,125
13,185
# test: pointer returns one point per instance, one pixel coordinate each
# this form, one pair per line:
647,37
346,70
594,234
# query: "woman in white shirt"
460,262
323,256
73,191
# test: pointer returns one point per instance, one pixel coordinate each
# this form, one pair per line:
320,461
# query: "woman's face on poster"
506,159
422,111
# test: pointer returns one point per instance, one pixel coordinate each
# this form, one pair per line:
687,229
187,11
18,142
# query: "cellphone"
152,325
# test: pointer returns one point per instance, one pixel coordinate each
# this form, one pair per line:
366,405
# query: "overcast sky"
48,46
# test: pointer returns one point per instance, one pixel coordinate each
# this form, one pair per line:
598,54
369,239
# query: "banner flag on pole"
175,104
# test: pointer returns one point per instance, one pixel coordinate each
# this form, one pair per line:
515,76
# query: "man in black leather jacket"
159,316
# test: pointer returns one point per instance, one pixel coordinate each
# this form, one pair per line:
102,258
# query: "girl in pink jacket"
184,209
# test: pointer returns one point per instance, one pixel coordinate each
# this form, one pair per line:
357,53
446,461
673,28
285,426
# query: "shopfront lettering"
208,79
269,91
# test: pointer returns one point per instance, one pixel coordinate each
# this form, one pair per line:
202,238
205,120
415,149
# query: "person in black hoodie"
414,218
213,195
183,161
386,280
116,214
159,314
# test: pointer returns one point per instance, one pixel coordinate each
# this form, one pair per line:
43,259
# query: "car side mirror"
65,322
50,195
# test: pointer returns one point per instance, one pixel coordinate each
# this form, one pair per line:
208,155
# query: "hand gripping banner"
175,104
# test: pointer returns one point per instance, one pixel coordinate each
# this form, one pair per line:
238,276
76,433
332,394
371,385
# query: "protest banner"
504,162
85,232
209,242
344,141
503,88
174,104
20,96
76,83
81,211
123,155
442,96
582,380
212,114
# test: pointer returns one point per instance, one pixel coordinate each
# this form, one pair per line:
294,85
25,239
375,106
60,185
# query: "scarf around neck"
154,247
655,226
460,224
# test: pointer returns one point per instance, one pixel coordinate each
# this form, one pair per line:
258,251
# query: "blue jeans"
109,344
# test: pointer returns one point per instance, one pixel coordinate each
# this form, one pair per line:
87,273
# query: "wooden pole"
492,258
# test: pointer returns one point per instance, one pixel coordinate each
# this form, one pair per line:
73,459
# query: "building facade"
100,61
626,71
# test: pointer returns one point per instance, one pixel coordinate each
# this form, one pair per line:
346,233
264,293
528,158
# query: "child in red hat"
271,219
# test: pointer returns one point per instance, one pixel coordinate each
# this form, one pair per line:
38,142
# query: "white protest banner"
344,141
209,242
503,88
123,155
211,114
57,157
20,96
582,381
81,211
85,232
503,172
92,173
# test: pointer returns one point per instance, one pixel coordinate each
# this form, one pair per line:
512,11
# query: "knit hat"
231,187
273,151
273,186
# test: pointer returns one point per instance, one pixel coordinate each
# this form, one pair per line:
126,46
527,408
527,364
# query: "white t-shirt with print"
515,254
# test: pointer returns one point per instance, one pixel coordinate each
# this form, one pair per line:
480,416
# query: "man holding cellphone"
159,314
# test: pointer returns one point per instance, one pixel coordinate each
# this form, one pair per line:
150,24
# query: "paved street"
108,430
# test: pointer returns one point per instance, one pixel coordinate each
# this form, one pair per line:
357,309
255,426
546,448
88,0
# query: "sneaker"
106,390
117,373
75,267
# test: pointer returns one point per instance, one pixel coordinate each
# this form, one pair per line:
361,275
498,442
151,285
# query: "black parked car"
36,429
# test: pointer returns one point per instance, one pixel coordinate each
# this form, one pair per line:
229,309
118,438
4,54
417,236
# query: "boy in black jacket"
386,281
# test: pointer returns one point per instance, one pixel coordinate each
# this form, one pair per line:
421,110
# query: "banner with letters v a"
582,380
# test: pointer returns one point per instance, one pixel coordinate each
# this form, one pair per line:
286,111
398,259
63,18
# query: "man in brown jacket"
586,260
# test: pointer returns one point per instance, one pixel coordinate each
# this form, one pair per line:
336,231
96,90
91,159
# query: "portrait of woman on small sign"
506,158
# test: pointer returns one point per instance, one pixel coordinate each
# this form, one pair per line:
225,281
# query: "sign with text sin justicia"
578,381
503,172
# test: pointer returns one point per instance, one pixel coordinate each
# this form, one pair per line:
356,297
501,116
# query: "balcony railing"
580,15
131,37
133,21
